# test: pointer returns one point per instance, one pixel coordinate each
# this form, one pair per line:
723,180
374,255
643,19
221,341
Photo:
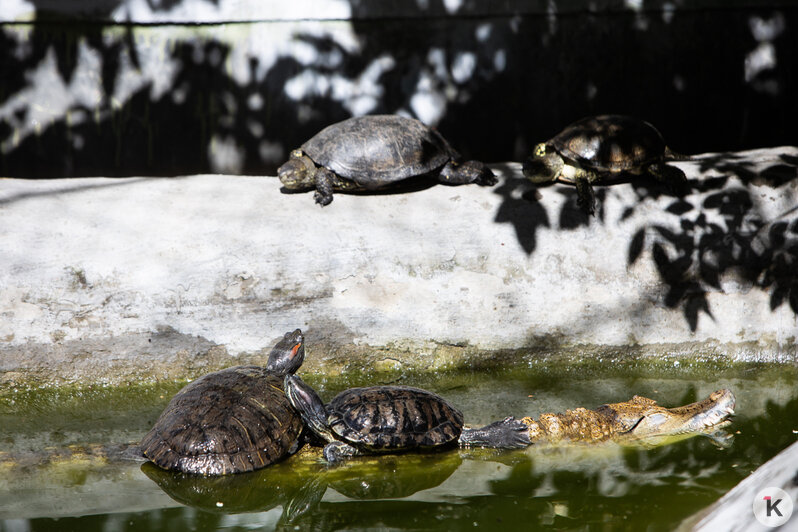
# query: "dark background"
694,73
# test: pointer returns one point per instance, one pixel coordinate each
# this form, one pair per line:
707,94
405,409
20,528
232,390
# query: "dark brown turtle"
383,419
231,421
373,152
602,148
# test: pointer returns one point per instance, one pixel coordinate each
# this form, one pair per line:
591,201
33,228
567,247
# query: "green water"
47,483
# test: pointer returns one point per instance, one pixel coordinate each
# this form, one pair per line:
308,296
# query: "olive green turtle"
600,149
374,152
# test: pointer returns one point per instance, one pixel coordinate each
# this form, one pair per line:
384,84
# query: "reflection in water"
299,487
544,486
258,491
392,476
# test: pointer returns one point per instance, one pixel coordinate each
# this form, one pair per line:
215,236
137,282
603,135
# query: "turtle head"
307,402
288,355
298,172
544,165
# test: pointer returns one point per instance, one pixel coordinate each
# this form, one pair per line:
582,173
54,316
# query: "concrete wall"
127,87
113,280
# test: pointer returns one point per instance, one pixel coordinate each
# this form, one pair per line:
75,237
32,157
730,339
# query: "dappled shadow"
494,81
521,207
724,237
491,105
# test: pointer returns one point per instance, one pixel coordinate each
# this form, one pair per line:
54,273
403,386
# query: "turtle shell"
230,421
376,150
610,143
392,418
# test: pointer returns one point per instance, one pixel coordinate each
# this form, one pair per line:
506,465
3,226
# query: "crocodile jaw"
715,415
700,417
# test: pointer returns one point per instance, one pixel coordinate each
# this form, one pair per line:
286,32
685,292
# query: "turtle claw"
337,451
322,199
488,179
485,176
324,187
588,207
515,434
509,433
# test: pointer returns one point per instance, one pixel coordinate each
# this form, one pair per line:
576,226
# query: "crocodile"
639,421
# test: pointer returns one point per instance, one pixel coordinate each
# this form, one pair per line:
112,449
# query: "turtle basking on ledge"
601,149
375,152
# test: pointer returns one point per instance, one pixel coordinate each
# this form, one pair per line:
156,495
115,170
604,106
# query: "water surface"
59,459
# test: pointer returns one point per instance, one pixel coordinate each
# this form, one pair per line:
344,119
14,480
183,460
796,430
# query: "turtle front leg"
468,172
508,433
336,451
324,186
585,198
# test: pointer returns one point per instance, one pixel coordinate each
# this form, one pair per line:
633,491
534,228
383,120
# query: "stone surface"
106,280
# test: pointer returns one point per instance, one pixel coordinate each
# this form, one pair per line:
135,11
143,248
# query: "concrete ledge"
107,280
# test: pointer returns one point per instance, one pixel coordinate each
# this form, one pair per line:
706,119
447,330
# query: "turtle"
231,421
602,148
373,152
389,419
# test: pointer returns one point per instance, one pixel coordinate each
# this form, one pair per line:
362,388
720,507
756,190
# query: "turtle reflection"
300,484
392,476
258,491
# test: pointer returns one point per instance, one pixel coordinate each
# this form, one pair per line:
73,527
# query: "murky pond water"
59,466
